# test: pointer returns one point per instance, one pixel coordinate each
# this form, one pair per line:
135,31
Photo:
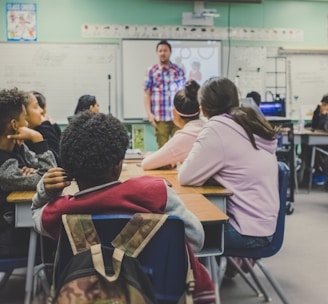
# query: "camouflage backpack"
100,274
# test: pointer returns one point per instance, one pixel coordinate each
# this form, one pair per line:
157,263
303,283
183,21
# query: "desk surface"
134,170
198,204
309,131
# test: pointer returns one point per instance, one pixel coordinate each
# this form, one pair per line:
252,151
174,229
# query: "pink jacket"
224,152
176,149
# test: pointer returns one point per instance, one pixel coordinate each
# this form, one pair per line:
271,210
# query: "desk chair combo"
164,258
258,253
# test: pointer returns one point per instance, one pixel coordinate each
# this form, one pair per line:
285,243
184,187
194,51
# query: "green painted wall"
61,20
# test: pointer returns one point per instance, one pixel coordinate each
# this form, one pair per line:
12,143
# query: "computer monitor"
249,102
273,108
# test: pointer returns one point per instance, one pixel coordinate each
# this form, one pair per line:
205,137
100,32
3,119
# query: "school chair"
258,253
164,258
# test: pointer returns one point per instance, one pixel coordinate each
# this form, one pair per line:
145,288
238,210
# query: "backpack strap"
80,231
138,232
98,262
187,298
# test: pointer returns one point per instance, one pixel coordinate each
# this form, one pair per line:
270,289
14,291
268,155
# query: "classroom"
278,48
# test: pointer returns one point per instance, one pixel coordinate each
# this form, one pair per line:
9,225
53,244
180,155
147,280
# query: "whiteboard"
308,82
246,66
138,55
62,72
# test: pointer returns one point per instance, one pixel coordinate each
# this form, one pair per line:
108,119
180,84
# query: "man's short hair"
91,145
164,42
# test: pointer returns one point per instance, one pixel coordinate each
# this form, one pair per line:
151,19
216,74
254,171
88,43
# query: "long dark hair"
84,103
219,95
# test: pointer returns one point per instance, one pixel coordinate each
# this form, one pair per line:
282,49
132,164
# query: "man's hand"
151,119
55,180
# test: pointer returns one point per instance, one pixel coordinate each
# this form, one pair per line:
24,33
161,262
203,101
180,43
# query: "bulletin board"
62,72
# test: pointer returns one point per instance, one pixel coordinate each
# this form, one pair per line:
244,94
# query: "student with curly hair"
93,147
186,117
20,168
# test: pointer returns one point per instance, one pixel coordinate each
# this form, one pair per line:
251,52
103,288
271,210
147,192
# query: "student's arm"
204,160
14,177
193,227
170,154
50,187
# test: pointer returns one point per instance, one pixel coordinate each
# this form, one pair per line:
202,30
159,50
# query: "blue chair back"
163,259
8,264
276,243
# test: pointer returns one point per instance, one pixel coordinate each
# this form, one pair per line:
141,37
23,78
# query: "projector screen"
200,59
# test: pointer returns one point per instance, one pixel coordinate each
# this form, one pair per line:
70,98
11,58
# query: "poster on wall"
21,22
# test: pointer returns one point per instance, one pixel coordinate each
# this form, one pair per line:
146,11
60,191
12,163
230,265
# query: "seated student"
20,168
320,115
43,105
236,148
93,147
185,116
87,102
37,122
319,122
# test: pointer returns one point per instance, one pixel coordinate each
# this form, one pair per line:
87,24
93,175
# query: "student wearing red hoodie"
92,149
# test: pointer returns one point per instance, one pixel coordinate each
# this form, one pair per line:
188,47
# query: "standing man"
162,81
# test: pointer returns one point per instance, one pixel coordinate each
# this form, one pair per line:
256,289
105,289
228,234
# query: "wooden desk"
198,204
133,170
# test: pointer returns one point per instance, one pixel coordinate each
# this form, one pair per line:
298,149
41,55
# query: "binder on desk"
133,154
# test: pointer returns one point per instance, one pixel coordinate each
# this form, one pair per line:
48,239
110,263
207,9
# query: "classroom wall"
60,21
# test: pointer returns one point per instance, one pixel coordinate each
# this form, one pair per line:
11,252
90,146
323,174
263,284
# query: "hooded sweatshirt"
224,152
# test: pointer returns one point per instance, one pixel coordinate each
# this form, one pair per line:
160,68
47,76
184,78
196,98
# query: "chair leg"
5,278
222,267
256,280
244,276
273,282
